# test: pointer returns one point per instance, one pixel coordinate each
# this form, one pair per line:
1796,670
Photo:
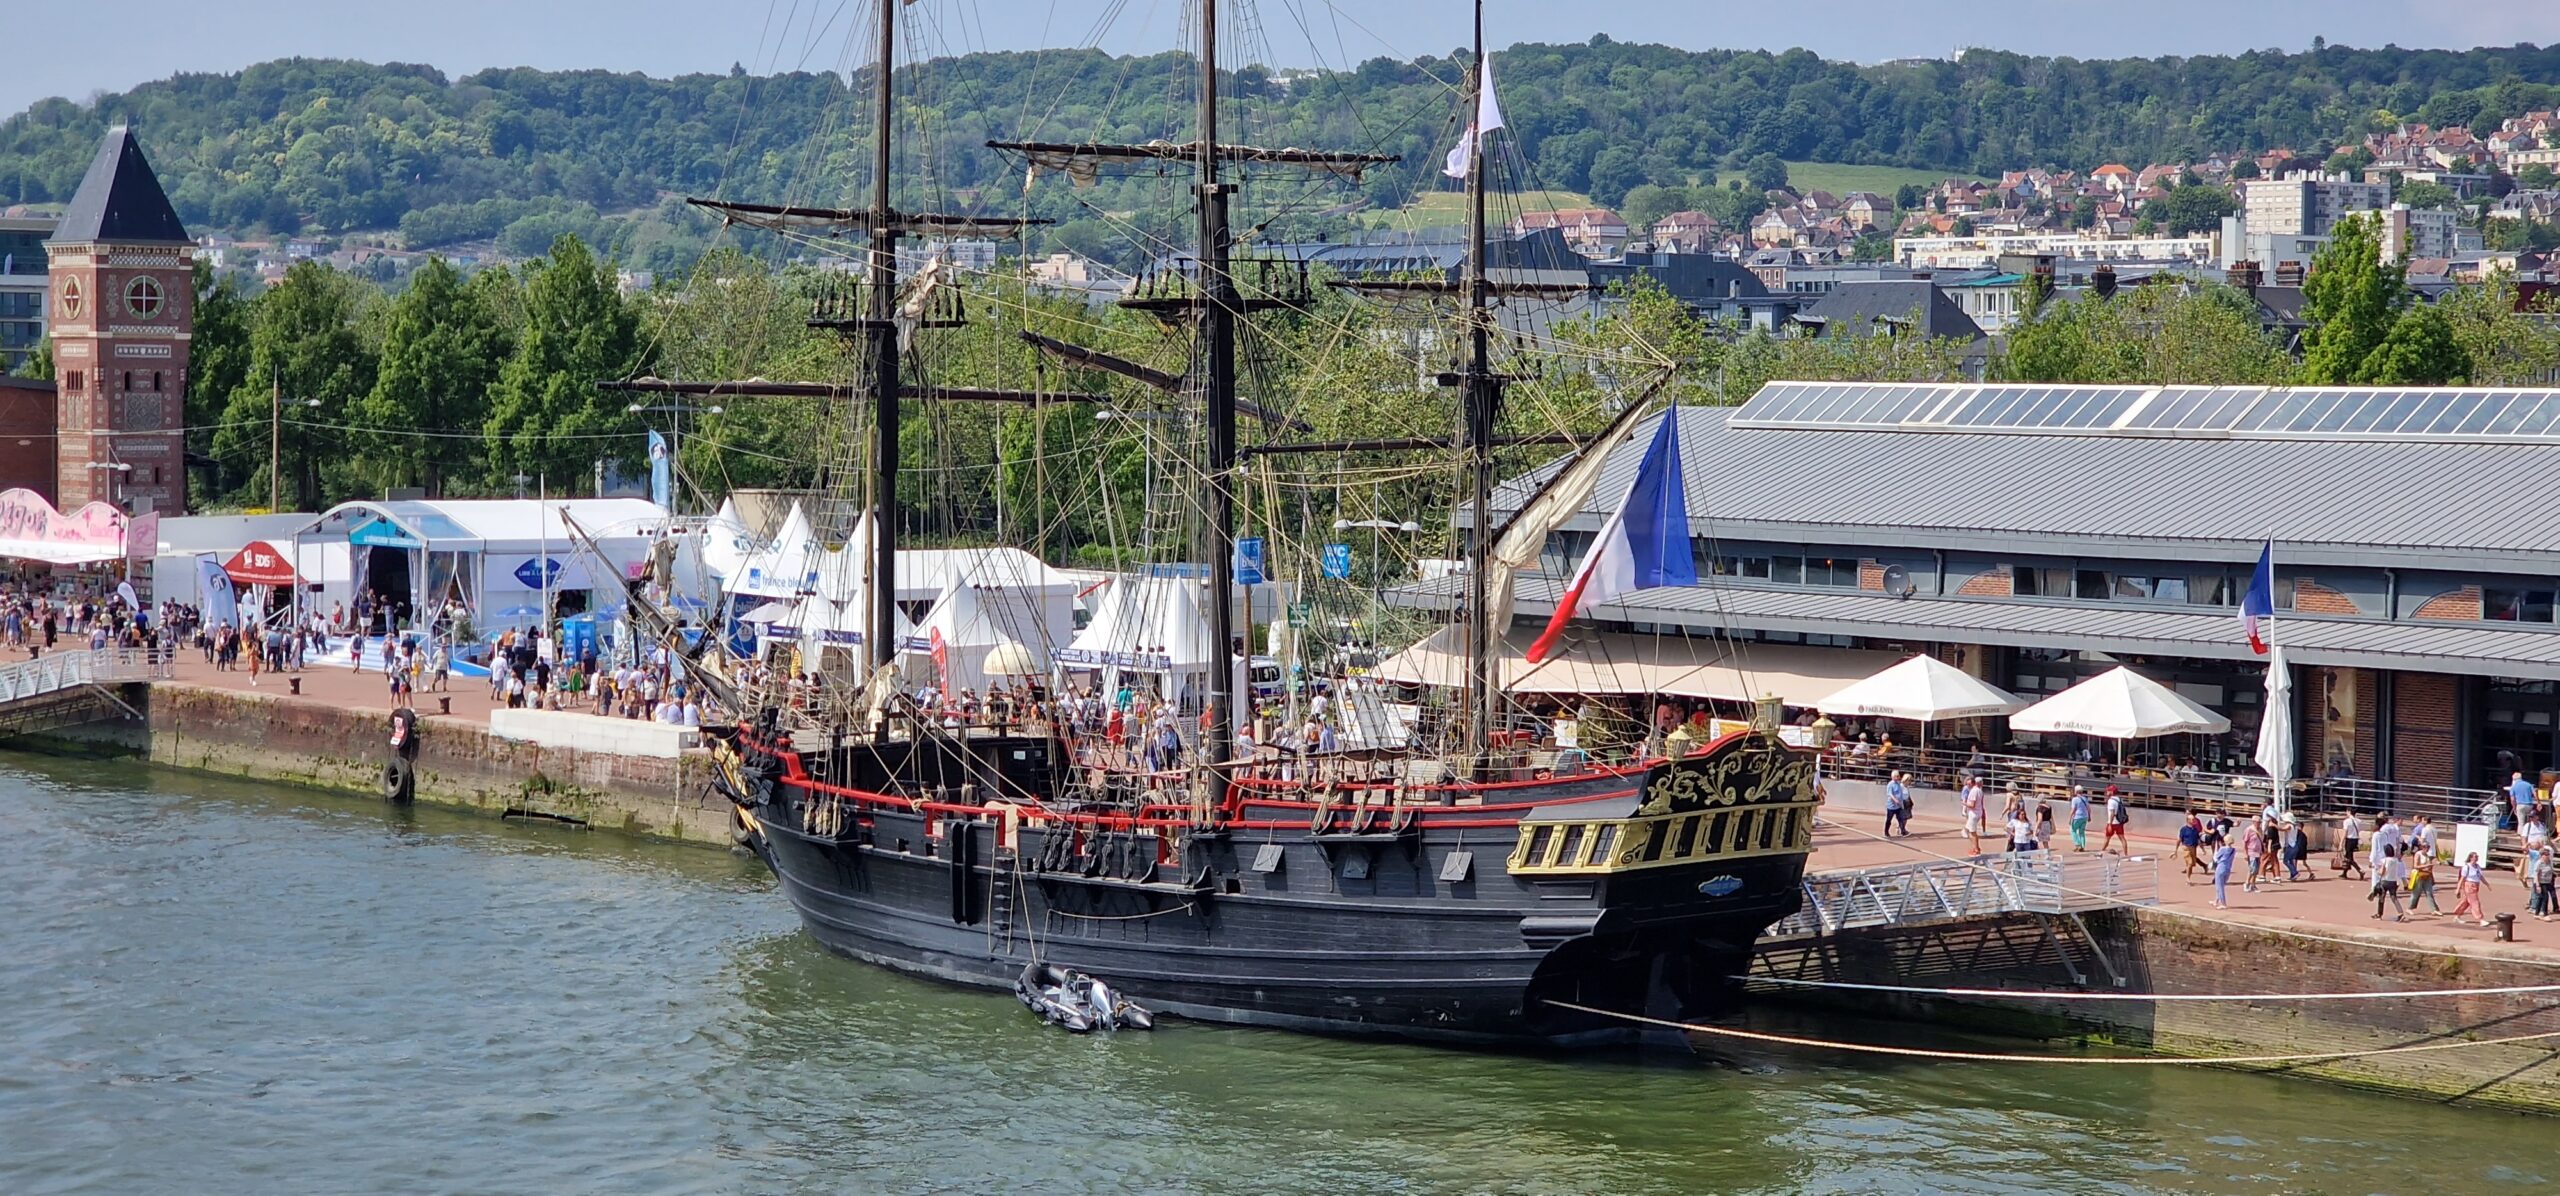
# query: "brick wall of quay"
2158,952
301,742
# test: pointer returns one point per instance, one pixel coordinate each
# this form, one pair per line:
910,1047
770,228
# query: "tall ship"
1441,880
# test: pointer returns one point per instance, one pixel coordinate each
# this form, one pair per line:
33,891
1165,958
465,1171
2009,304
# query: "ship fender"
399,780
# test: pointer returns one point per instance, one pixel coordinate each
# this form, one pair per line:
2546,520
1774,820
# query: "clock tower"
123,274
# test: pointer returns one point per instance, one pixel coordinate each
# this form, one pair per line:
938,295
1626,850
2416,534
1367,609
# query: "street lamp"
275,442
118,468
675,429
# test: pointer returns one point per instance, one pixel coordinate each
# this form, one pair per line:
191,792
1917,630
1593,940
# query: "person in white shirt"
692,714
2022,833
1973,812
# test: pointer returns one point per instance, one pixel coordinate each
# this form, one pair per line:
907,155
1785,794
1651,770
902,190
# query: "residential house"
2114,176
1865,210
1685,232
1591,232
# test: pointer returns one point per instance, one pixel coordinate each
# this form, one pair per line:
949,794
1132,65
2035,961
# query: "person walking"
2191,846
2224,854
1973,813
2422,880
2079,818
2471,885
2117,818
2253,844
2540,871
2389,868
2044,825
2022,833
2350,839
1897,803
2297,848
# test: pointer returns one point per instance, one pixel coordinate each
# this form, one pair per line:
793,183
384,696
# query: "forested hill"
336,146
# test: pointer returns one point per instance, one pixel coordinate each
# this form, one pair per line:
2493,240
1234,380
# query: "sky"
139,40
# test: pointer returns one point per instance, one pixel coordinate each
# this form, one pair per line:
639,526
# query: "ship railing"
1597,846
1992,886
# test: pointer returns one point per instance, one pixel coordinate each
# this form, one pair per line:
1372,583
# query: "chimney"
2289,274
2246,276
2102,281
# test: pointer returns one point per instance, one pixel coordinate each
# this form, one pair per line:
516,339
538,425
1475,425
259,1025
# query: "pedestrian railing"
56,671
2038,882
2147,785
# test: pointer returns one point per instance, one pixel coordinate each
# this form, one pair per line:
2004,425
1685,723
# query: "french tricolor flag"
1645,543
2258,604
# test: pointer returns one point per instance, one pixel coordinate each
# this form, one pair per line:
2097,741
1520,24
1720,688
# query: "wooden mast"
1483,399
1218,386
880,588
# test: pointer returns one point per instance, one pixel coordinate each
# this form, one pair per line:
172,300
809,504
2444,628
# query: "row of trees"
335,146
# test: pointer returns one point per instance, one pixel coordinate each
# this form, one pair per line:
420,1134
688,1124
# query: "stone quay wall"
459,763
2159,952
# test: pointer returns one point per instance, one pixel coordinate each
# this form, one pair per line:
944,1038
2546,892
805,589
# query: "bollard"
444,705
295,685
2506,932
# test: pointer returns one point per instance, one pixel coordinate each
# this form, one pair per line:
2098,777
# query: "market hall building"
2038,535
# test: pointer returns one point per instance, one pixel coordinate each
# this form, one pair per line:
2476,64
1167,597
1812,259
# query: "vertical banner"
214,595
661,471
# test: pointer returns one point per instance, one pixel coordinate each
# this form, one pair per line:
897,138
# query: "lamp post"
675,433
275,440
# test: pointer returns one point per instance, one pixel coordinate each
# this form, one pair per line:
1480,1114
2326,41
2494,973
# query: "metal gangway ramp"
1934,892
66,688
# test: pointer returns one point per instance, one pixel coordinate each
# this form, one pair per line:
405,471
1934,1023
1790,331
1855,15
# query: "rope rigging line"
1868,1048
2026,994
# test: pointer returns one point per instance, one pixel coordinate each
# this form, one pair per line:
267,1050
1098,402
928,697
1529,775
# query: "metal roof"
2125,630
120,199
2428,502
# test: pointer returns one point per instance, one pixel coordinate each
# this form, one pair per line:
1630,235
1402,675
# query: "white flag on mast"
1488,118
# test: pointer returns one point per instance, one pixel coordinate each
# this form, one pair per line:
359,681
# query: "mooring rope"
1986,1057
2175,912
2041,995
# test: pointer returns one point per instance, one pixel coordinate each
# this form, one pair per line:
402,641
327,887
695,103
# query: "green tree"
1909,196
1963,226
2537,176
1765,172
2198,208
2428,195
38,363
2084,212
2244,169
2350,300
546,417
2420,350
217,356
2501,345
306,366
441,352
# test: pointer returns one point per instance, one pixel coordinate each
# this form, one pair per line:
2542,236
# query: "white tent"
1150,625
972,623
2119,704
785,567
726,544
1923,689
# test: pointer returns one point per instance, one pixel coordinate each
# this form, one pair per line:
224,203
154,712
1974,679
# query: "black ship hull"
1289,917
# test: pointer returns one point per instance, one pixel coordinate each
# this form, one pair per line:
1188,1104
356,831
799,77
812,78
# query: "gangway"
60,689
1934,892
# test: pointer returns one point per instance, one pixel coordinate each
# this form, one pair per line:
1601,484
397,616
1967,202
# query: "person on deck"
2022,833
2191,846
2389,870
2079,818
1973,813
2297,847
2118,817
1897,806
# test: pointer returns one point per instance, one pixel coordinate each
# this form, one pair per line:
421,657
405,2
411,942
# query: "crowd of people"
527,670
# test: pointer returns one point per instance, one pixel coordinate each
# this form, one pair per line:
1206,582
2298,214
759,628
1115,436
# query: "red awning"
260,564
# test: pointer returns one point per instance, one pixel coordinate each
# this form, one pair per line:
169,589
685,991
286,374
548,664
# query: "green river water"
214,987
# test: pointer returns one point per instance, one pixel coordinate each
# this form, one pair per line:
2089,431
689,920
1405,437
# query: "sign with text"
1249,561
1337,560
30,529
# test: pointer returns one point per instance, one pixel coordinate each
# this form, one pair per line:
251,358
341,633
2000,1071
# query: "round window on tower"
142,297
73,300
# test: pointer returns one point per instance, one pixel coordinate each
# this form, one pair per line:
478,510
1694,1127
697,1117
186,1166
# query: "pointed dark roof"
120,199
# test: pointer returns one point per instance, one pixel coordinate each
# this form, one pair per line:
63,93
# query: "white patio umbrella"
1924,689
2119,704
2275,731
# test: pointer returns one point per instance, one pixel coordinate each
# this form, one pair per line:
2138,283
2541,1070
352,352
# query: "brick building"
2039,535
123,288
